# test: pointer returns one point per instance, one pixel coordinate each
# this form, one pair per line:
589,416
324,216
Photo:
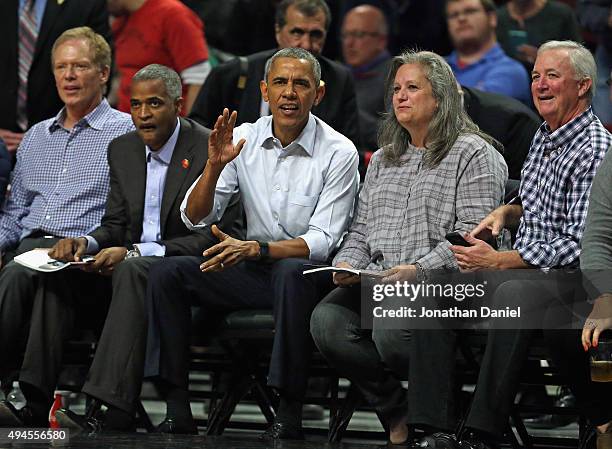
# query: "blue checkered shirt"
555,185
60,183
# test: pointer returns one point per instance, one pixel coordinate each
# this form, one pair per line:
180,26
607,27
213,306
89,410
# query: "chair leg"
264,400
142,417
521,430
340,420
220,415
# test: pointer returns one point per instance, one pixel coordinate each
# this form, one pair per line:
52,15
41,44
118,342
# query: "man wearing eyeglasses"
235,84
364,48
478,60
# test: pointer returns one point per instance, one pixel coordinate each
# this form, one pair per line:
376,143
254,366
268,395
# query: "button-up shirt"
405,210
306,189
555,186
494,72
60,182
157,169
38,9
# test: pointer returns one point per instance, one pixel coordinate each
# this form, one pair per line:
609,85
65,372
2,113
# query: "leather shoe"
171,426
282,431
11,417
74,421
439,440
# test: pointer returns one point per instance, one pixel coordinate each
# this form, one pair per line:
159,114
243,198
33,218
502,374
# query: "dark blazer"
338,107
122,221
507,120
43,100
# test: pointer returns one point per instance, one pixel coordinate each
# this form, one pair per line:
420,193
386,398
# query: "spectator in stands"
5,171
60,183
550,213
596,17
29,29
297,209
150,171
162,32
429,145
364,48
478,60
411,24
524,25
235,85
508,120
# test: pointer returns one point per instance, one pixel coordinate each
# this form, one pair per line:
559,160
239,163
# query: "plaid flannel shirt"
555,186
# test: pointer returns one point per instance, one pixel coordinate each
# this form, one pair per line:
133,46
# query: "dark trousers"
18,286
176,283
592,398
115,376
433,355
374,360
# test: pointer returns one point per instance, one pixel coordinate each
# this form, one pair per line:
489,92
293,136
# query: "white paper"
38,259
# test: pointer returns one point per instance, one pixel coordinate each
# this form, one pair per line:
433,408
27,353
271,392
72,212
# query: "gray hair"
309,8
449,119
581,60
171,79
296,53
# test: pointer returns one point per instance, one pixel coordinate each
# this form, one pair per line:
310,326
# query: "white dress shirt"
306,189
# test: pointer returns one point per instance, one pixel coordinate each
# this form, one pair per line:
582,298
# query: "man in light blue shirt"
298,179
478,60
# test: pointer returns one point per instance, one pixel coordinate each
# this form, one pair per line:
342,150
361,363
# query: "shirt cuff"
92,244
151,249
317,244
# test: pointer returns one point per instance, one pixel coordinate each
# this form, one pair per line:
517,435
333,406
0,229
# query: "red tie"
27,43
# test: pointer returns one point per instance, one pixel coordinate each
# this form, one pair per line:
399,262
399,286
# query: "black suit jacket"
43,100
338,107
507,120
122,221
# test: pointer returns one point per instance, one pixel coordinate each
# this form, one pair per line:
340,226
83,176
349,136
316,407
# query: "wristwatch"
264,250
134,252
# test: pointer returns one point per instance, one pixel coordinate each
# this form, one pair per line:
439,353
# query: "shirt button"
64,171
48,217
275,216
276,187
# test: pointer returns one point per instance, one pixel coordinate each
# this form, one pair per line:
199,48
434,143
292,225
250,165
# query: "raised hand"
221,148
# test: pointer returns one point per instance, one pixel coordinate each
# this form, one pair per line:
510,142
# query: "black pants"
374,360
433,355
18,286
594,399
177,283
115,376
40,311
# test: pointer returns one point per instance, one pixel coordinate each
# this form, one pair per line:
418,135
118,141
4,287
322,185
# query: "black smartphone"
456,238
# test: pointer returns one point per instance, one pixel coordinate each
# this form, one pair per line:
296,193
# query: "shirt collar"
165,152
305,140
95,119
566,133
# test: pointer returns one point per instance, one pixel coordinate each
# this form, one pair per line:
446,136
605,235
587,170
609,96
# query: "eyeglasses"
358,34
466,12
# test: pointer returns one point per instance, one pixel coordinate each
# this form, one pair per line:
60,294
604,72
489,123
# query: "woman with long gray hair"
435,172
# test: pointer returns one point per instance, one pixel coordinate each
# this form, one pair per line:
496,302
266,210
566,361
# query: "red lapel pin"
185,163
